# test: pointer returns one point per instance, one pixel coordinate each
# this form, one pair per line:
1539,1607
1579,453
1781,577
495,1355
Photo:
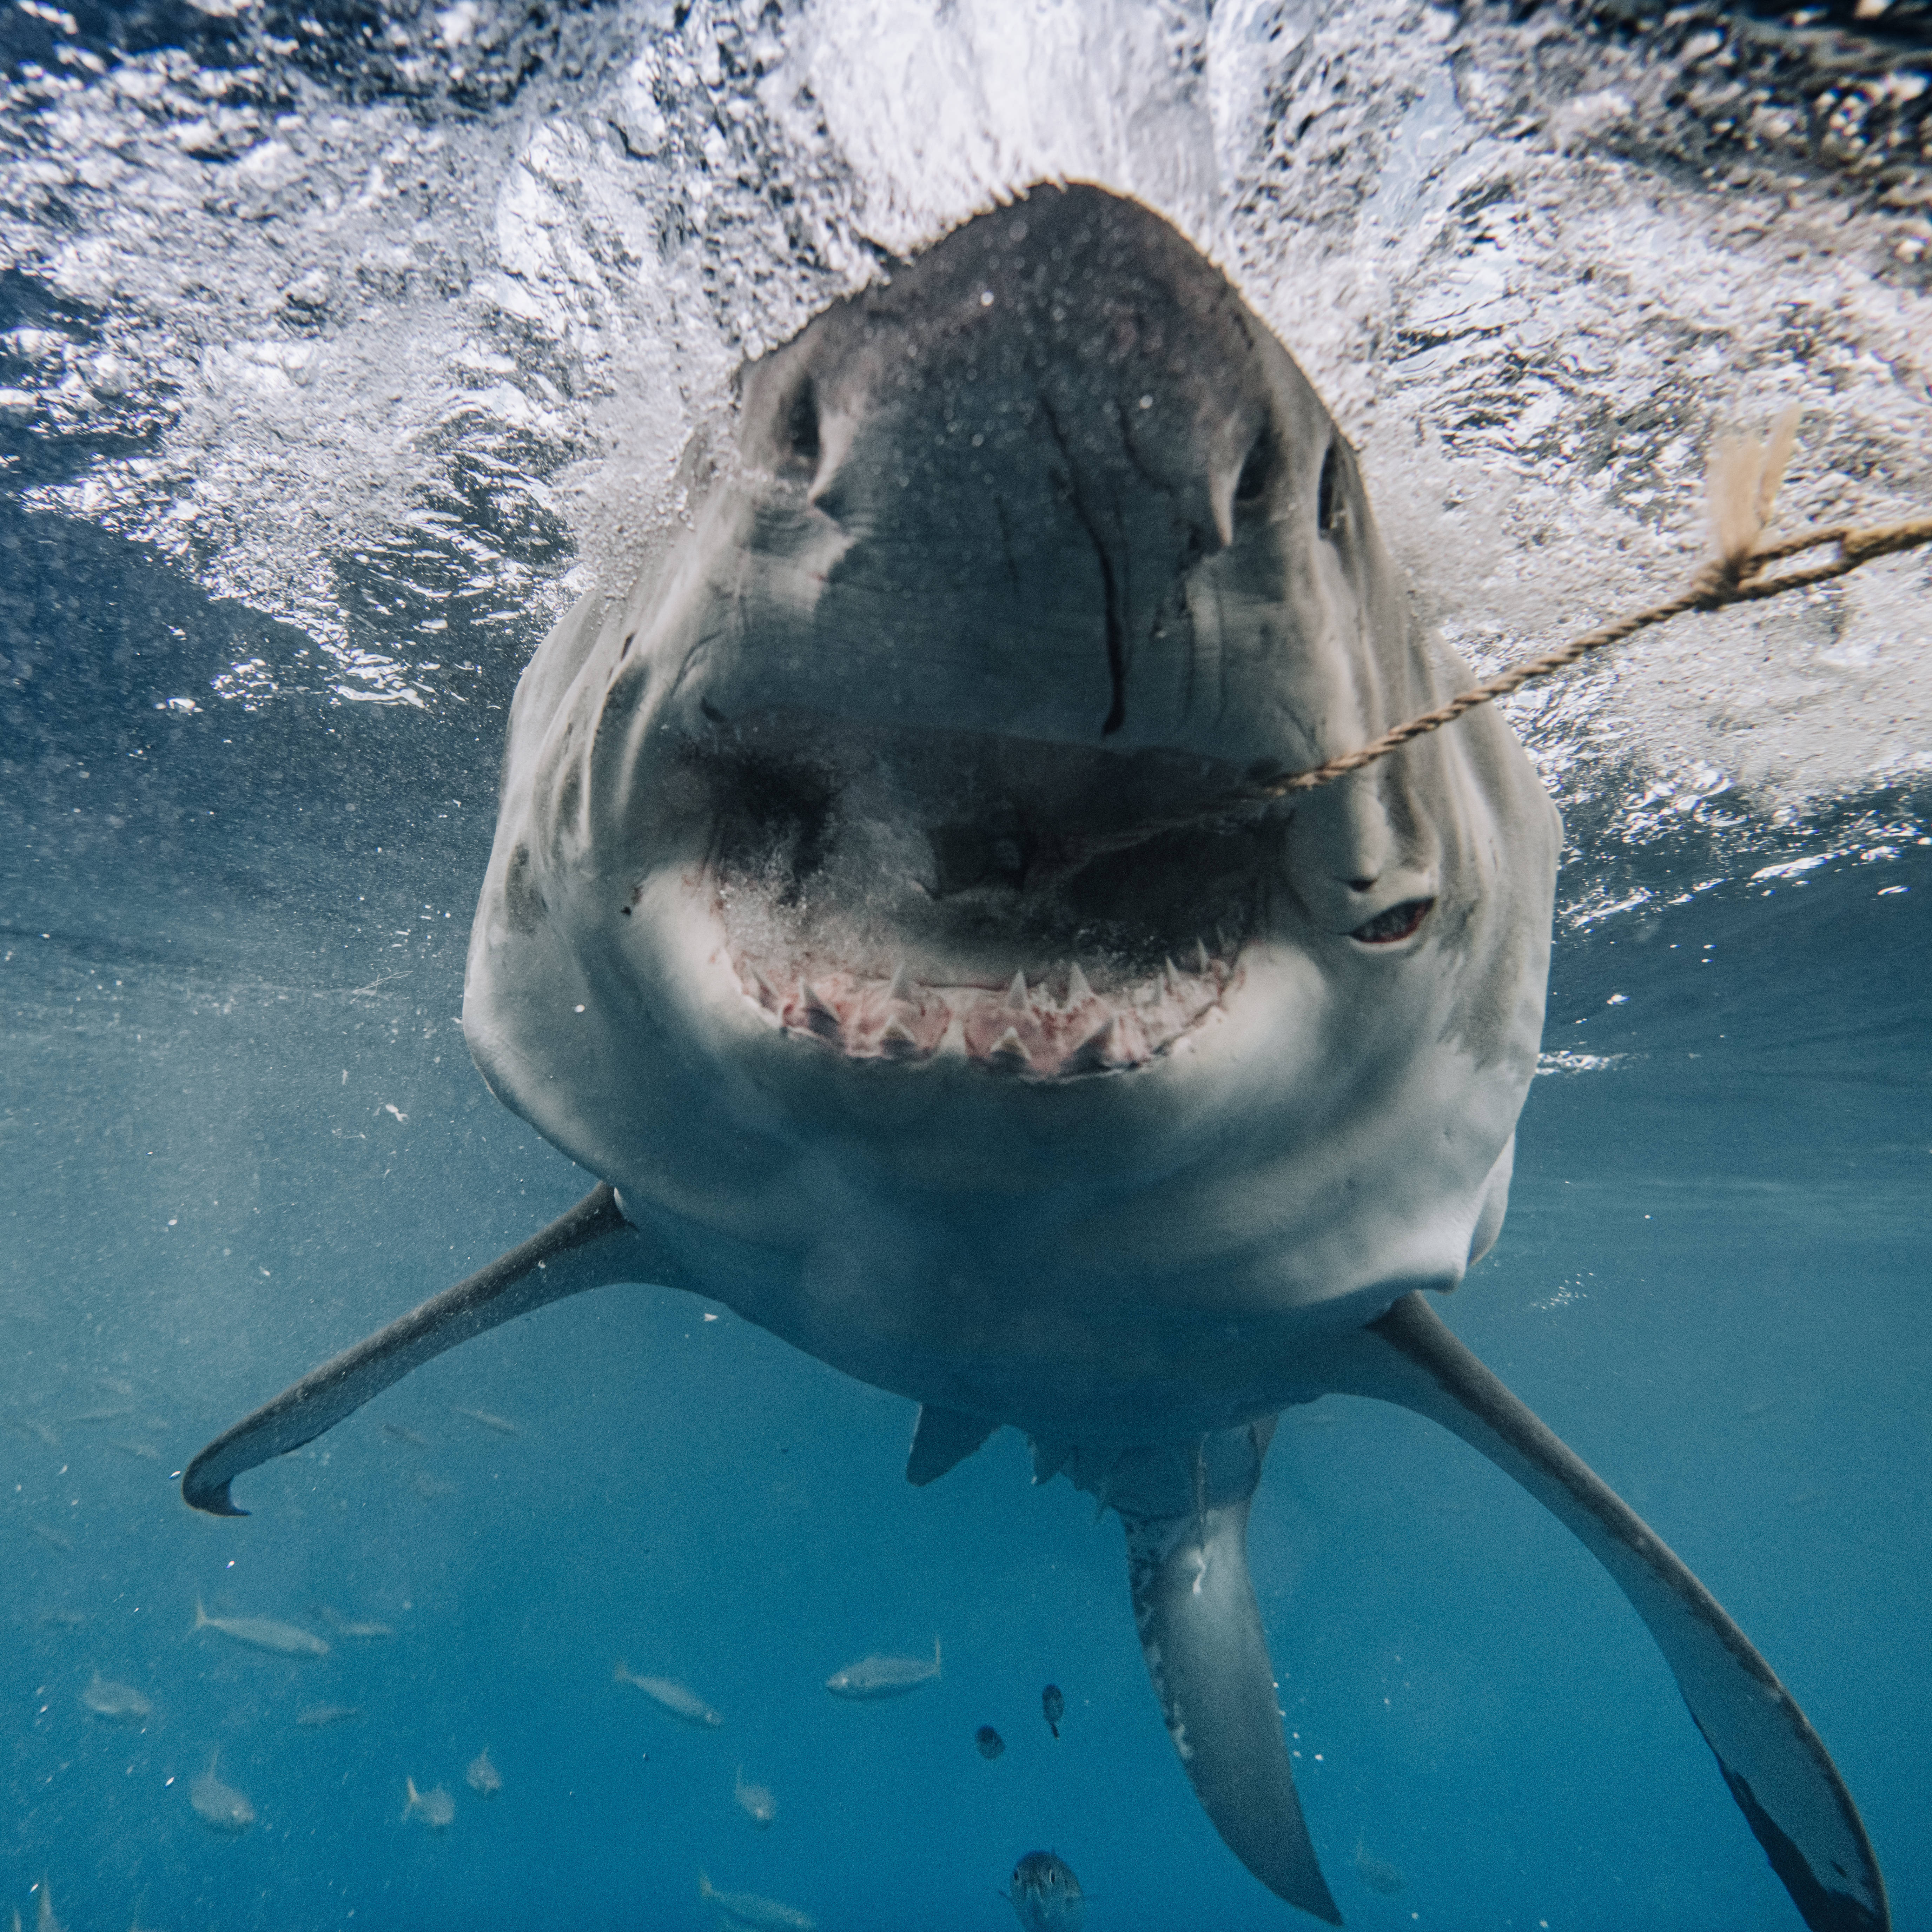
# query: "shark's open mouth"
1039,998
923,896
1058,1025
1046,912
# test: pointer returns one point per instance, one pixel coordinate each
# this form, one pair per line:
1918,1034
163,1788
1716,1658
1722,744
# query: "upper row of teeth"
1024,1029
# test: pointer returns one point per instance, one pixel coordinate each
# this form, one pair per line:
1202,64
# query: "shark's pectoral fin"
591,1245
1201,1632
1785,1784
942,1438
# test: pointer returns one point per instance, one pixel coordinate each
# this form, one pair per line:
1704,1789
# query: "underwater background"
340,348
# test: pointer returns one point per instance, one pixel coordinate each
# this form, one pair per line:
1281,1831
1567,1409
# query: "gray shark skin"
868,910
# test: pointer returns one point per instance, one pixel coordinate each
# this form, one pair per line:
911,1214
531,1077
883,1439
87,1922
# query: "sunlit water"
338,359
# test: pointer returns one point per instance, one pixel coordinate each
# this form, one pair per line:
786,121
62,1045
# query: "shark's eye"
1329,508
1398,922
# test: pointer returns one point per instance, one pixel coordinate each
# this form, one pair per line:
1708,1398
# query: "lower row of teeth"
1024,1029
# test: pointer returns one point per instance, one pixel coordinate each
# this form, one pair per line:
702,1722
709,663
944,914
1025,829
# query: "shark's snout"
1053,479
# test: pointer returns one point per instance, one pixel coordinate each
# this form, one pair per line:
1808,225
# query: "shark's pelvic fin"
1185,1514
1787,1787
942,1438
591,1245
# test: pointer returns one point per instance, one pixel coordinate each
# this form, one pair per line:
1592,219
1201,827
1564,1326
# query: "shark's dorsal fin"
591,1245
942,1438
1778,1771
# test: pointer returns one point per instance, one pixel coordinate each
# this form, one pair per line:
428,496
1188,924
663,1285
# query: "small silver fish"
55,1539
104,1414
432,1489
68,1619
346,1626
220,1807
670,1695
1045,1894
434,1807
263,1633
746,1911
501,1424
119,1703
755,1800
1377,1874
45,1920
146,1451
872,1677
402,1435
482,1777
318,1715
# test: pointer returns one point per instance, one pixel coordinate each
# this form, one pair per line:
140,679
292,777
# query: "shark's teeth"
999,1033
1009,1047
897,1041
1094,1054
1021,1029
818,1014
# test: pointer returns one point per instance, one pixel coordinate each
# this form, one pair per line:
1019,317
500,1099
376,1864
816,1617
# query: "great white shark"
875,909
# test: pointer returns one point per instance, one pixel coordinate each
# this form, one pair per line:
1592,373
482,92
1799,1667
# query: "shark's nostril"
1257,470
1329,506
801,428
1360,885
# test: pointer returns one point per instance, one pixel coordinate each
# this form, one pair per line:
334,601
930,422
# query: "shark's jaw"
1051,930
1068,1018
1060,1025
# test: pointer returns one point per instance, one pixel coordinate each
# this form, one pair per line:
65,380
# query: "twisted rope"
1734,578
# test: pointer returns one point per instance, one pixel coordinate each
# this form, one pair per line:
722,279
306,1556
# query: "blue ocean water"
1710,1284
238,1129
